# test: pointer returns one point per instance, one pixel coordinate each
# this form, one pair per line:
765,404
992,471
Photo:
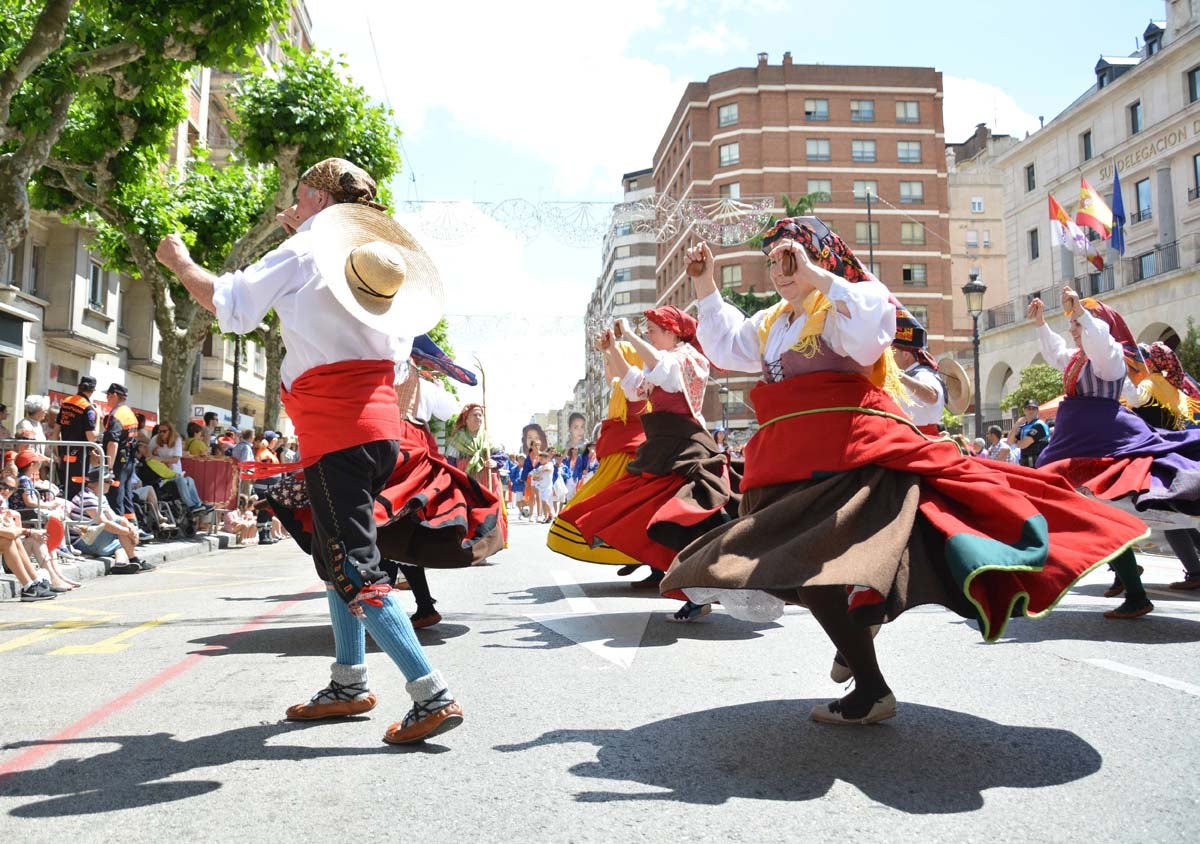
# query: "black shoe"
625,571
143,565
36,592
125,568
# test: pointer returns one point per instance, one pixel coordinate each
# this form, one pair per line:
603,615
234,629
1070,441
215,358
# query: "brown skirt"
855,528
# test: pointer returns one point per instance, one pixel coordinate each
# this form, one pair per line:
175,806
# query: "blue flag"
1118,212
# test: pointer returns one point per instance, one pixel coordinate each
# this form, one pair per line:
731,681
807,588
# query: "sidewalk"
86,568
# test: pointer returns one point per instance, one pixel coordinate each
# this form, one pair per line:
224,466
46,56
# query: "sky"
553,102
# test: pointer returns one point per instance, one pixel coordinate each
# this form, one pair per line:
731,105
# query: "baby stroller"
172,518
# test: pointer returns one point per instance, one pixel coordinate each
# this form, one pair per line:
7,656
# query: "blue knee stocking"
392,631
349,638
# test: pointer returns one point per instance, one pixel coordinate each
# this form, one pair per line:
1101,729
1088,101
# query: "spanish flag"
1092,211
1063,232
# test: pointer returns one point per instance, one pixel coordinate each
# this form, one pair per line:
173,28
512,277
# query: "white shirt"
731,341
169,454
316,329
1106,355
667,374
924,413
435,402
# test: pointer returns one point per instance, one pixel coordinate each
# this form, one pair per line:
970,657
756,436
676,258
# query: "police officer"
77,423
120,441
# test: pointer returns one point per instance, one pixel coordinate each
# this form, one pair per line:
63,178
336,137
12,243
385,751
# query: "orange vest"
72,416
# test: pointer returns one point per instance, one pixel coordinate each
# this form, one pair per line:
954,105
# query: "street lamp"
974,290
724,391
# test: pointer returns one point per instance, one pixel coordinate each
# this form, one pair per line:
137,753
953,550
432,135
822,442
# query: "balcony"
1140,216
1193,194
1161,260
1093,284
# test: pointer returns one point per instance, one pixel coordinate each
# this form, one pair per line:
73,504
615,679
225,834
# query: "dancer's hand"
1070,301
621,329
172,252
1037,311
289,219
700,268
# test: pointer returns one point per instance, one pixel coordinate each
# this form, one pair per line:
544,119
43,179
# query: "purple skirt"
1094,427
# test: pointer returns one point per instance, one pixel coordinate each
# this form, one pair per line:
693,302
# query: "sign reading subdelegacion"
1178,134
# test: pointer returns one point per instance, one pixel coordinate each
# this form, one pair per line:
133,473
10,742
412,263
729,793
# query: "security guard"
120,428
77,423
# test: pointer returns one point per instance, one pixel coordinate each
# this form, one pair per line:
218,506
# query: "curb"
87,568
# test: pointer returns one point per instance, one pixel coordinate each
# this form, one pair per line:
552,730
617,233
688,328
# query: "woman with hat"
843,493
351,288
1105,448
678,486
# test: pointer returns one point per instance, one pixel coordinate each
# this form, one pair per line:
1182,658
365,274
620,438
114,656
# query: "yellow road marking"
113,644
58,628
68,606
124,596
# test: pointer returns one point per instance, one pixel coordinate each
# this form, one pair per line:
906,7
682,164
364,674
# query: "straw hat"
958,387
376,269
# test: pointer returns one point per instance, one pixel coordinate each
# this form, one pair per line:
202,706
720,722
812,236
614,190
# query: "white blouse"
316,329
1106,355
731,340
924,413
667,374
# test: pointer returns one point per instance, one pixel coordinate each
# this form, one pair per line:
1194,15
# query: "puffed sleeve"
871,325
1054,348
632,381
436,402
729,338
243,297
1105,353
667,373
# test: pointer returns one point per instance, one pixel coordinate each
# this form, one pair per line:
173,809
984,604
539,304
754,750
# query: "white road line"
1169,682
577,599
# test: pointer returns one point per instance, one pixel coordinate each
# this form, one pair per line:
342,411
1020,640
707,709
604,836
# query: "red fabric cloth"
341,405
959,495
617,436
670,318
1108,478
216,479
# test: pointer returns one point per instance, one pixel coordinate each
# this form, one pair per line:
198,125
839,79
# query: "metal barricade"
65,469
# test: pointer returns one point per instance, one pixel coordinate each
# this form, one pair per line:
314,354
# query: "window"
623,275
623,229
622,298
621,252
1146,266
731,276
816,109
1193,84
908,111
730,236
37,267
987,238
920,312
824,187
1030,178
732,397
866,232
862,188
97,289
1085,145
816,149
862,150
913,275
862,111
1142,192
912,234
727,115
733,190
972,239
977,205
908,152
1135,118
689,131
633,185
260,361
1033,245
1194,193
729,154
64,374
873,268
912,192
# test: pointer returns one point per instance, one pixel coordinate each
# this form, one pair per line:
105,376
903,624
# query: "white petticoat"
744,604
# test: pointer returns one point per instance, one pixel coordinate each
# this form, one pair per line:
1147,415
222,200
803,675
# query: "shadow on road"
533,595
717,627
1091,626
926,761
287,640
127,777
279,599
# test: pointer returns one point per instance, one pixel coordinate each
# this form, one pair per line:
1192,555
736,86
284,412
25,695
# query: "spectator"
198,441
33,425
1030,434
719,436
266,448
167,448
210,427
77,423
243,452
113,535
225,443
16,558
979,447
5,434
120,447
997,446
243,522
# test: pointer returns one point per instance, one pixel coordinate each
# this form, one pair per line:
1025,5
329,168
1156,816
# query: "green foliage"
1189,350
951,423
801,206
311,104
750,302
1040,382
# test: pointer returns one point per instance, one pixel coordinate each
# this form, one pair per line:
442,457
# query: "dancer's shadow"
534,595
311,595
611,628
288,640
128,777
1090,625
927,761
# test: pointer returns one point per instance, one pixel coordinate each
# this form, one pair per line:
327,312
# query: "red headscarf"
1119,331
670,318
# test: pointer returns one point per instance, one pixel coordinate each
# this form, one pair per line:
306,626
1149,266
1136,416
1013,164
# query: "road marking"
69,606
614,637
24,761
113,644
1169,682
58,628
577,599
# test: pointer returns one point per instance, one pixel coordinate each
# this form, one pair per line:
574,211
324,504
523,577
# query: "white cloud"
969,102
708,39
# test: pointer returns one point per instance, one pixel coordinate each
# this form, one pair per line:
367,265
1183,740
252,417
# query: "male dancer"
351,288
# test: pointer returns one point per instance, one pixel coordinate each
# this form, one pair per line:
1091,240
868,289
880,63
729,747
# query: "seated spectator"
111,535
243,452
12,551
998,447
32,427
265,453
166,447
33,510
225,443
197,444
5,434
243,522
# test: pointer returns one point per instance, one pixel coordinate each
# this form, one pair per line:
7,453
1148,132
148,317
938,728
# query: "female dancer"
678,487
1104,448
842,490
620,436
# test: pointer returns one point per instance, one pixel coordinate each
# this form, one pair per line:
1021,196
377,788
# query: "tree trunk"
175,379
275,352
235,393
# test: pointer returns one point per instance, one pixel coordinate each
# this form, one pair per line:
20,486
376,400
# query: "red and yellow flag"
1092,211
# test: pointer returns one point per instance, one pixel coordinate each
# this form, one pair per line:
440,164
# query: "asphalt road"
150,709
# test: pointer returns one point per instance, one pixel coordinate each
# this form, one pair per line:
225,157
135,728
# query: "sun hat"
958,386
376,269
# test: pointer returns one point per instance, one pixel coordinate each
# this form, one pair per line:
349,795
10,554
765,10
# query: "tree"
1189,350
751,302
95,85
801,206
1039,381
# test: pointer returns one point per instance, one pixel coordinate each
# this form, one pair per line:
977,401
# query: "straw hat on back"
376,269
958,386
